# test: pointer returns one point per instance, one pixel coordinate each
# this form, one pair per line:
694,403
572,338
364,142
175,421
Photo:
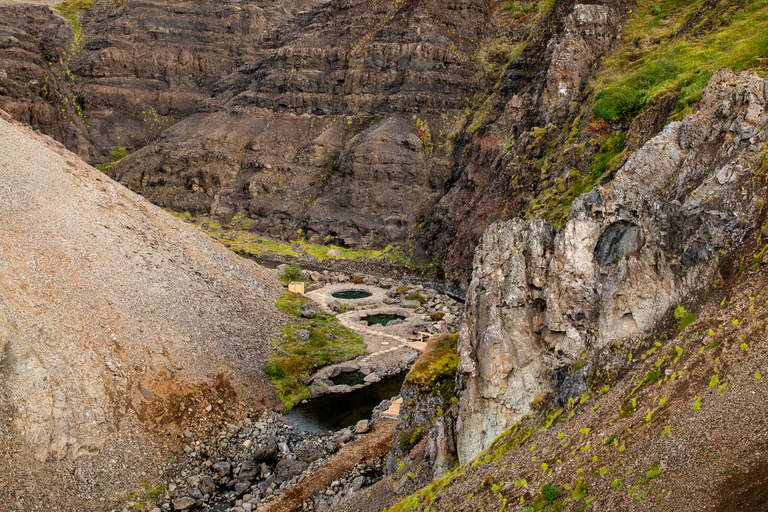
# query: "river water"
334,412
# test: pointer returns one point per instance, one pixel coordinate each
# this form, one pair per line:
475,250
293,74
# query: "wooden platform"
394,409
421,346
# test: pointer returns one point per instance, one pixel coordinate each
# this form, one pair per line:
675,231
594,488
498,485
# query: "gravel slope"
120,326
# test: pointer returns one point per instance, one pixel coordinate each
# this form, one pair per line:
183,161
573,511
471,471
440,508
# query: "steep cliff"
539,304
338,130
36,84
618,363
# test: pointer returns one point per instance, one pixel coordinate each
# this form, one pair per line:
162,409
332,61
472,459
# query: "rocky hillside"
413,124
120,328
585,375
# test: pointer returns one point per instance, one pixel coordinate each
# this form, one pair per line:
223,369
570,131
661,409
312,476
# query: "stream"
334,412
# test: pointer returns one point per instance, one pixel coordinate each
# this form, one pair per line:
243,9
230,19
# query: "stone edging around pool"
323,296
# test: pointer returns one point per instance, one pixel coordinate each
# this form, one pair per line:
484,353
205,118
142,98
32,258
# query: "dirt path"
375,444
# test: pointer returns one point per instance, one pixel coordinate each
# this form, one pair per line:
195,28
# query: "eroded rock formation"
631,250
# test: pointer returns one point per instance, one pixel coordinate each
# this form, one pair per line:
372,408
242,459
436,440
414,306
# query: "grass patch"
683,318
71,9
300,355
320,252
435,369
730,33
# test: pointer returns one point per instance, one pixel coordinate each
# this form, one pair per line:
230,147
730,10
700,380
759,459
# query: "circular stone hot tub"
351,294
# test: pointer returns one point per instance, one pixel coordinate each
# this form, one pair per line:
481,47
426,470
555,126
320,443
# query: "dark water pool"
349,378
382,319
351,294
334,412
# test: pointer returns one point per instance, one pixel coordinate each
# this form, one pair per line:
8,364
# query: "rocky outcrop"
119,326
35,79
346,181
631,250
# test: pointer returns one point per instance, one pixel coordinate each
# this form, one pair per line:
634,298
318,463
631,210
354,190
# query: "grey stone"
184,503
362,427
372,378
316,390
207,485
308,311
266,450
222,467
242,486
334,305
302,334
248,470
411,304
289,468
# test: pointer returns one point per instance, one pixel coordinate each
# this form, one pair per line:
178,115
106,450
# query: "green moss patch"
435,369
303,348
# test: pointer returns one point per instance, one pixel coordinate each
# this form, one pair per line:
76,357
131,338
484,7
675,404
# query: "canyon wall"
540,302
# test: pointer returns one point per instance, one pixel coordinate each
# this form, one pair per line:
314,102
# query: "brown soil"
374,444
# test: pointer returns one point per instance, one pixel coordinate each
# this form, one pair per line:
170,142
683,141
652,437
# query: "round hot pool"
351,294
382,319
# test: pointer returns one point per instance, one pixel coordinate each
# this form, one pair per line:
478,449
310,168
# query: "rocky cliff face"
631,251
35,82
120,327
337,129
145,66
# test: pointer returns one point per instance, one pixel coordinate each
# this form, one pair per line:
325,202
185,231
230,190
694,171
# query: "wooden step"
394,409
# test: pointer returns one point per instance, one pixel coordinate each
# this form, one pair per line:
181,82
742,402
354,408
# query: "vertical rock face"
630,252
144,66
335,126
35,86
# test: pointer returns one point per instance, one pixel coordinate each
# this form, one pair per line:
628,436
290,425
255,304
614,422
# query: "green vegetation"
435,369
417,297
116,154
665,64
302,349
291,273
408,439
550,493
320,252
612,149
696,403
683,318
71,9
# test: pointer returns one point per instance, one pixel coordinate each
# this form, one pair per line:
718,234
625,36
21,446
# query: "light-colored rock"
362,426
184,503
629,252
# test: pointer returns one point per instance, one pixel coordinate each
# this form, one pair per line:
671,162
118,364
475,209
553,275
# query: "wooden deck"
418,345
